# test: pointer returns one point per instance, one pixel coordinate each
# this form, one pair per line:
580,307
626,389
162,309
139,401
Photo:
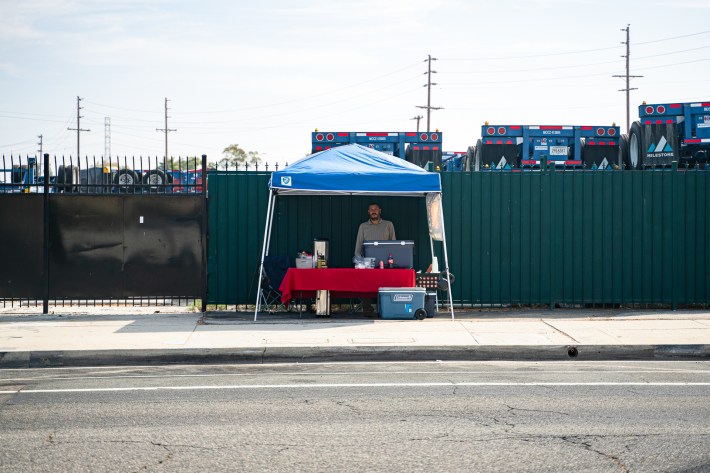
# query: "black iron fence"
92,175
103,230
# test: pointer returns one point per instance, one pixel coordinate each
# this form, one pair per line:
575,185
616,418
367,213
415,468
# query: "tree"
234,156
185,164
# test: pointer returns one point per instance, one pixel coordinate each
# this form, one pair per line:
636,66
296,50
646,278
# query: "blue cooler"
402,303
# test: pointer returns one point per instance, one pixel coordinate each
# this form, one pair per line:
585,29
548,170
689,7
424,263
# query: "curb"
91,358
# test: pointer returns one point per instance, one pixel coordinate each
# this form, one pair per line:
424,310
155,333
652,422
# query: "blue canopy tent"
357,170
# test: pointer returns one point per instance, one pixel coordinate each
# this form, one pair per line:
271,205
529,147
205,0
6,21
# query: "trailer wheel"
624,151
470,157
67,177
420,314
127,180
478,155
636,151
154,181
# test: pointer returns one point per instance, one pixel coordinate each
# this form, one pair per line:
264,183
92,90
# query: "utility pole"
628,77
428,85
107,138
417,118
78,128
166,130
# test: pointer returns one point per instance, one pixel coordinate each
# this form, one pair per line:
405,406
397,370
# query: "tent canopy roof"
354,169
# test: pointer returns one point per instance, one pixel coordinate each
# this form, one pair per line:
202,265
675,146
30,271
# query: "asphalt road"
505,416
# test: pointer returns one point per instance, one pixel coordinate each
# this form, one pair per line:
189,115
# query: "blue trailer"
453,161
523,147
670,132
22,177
420,148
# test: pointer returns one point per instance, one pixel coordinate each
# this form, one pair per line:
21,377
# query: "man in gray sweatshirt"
374,229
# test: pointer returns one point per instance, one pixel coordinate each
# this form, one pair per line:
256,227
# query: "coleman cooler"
402,303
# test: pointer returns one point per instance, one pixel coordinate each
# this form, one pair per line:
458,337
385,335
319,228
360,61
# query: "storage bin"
402,252
304,263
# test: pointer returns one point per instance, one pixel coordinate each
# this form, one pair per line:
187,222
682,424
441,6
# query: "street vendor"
374,229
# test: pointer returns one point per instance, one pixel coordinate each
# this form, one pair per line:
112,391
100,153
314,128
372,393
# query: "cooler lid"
402,289
388,242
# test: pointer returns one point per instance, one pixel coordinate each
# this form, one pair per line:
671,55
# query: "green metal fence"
631,237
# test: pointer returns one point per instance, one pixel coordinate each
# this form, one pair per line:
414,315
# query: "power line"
309,97
563,53
660,66
674,37
122,108
530,56
573,66
9,145
31,119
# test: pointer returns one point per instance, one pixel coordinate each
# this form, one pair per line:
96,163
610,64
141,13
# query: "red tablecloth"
342,282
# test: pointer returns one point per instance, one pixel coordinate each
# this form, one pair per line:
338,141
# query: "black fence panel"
122,246
86,246
21,246
163,245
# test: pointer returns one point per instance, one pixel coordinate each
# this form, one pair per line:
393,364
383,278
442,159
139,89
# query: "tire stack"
68,179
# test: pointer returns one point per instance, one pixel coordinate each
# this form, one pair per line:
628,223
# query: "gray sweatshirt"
384,230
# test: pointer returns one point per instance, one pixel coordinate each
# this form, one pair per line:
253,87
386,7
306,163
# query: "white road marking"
339,385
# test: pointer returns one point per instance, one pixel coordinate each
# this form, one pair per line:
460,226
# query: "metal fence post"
45,242
205,234
551,178
674,178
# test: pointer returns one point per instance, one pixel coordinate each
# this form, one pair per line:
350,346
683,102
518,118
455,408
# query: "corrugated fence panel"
513,238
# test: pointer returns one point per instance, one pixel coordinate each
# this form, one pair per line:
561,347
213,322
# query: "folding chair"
275,268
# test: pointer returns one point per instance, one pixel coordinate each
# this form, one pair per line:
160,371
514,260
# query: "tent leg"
433,255
267,231
446,265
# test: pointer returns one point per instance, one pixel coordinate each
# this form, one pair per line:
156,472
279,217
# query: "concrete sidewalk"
120,338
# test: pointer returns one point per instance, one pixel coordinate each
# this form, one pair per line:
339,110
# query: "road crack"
513,411
579,442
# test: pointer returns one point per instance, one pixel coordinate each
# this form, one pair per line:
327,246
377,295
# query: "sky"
265,74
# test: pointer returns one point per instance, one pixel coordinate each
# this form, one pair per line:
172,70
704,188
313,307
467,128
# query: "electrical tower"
628,77
78,128
40,155
166,130
417,118
428,85
107,138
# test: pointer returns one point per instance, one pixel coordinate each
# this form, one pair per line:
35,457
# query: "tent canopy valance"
354,169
